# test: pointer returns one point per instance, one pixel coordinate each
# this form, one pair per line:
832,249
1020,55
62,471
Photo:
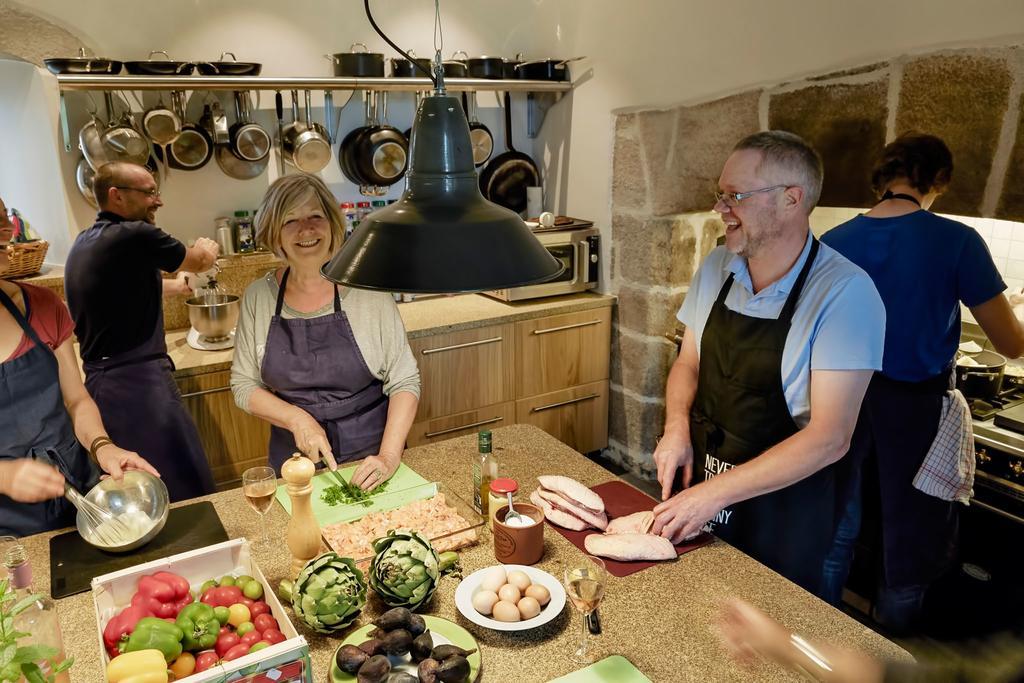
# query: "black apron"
739,412
35,424
143,412
315,364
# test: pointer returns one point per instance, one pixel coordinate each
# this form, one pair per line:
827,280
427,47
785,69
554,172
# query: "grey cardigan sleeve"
245,367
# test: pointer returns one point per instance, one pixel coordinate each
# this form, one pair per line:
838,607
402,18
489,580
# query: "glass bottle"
243,227
485,469
39,621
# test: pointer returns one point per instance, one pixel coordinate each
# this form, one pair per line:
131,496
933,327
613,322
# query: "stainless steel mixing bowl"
213,315
138,492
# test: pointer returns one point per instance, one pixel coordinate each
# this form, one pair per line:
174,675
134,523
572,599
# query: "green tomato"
227,580
243,579
222,614
258,646
207,585
244,628
253,590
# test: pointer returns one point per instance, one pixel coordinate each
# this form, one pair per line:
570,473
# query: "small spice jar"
498,496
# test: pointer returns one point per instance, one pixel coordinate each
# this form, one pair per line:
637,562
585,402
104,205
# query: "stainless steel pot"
983,380
213,315
83,178
306,145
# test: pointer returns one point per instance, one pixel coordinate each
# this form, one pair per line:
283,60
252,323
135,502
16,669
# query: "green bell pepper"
152,633
200,626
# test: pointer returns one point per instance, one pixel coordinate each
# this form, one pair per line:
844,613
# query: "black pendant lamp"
442,235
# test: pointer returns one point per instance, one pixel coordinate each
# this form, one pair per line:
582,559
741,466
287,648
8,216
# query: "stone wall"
666,165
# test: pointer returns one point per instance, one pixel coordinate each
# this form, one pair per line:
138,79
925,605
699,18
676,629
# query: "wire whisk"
103,526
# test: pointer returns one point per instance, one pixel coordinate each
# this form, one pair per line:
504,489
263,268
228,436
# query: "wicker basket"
26,258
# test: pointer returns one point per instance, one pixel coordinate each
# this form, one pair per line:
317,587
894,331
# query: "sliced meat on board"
598,520
572,490
636,523
630,547
555,516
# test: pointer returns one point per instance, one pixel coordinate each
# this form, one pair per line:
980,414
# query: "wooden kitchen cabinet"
462,371
469,422
578,416
233,439
561,351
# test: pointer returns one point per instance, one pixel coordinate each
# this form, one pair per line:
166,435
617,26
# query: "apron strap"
889,194
22,320
798,286
280,295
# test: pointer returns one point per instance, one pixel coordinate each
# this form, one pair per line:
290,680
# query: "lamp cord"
437,21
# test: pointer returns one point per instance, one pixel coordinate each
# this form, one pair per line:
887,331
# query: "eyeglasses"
148,193
734,198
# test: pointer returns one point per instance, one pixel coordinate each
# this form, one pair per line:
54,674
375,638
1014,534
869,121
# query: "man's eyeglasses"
734,198
149,193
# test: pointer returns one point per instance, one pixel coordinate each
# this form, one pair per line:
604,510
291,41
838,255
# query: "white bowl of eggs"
510,597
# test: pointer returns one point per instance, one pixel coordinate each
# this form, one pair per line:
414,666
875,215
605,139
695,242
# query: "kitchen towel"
947,471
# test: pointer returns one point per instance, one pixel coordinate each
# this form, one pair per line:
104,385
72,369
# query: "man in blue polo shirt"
782,337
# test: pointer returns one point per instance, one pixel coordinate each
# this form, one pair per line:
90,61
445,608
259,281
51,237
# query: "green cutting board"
404,487
614,669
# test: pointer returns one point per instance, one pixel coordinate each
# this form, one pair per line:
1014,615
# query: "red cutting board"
621,499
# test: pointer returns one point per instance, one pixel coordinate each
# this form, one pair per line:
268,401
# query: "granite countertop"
422,318
661,618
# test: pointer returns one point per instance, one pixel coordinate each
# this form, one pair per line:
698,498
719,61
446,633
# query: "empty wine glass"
259,484
584,584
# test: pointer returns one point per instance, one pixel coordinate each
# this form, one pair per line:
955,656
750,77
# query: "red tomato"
265,621
257,608
225,642
247,602
273,636
251,637
209,597
206,659
225,629
227,595
237,651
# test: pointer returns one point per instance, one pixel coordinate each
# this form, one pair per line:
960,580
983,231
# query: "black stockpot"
370,64
403,68
486,67
545,69
984,380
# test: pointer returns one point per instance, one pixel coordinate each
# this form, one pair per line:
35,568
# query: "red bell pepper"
121,626
164,597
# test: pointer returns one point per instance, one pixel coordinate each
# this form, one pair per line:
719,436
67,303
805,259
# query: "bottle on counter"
498,496
39,620
485,469
243,230
348,210
225,236
377,204
362,210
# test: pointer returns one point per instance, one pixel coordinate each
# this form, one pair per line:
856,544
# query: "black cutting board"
1011,418
74,563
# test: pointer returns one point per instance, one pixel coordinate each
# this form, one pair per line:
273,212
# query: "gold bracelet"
98,443
819,660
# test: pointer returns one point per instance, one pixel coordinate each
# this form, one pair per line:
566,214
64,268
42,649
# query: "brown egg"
528,608
505,611
509,593
483,601
539,593
519,579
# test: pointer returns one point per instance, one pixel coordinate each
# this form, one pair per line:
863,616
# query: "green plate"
404,486
444,631
614,669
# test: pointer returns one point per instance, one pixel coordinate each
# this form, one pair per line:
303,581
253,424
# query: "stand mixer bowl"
213,315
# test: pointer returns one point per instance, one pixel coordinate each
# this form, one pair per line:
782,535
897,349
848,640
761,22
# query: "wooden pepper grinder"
303,529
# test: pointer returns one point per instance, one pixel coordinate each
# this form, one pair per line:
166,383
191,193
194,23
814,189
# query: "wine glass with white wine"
259,484
584,584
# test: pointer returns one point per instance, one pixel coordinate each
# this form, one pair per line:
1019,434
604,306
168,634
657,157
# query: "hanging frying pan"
193,148
236,168
479,135
83,178
505,178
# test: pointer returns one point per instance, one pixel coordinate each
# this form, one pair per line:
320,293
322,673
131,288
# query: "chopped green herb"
347,493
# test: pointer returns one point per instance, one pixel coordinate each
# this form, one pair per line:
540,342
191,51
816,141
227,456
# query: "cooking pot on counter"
980,375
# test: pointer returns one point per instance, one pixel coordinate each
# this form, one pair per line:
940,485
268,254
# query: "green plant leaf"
32,673
7,623
34,653
64,666
24,604
7,654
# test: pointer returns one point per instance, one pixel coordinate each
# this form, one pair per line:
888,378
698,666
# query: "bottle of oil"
485,468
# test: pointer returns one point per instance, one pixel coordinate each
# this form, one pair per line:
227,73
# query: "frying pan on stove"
505,178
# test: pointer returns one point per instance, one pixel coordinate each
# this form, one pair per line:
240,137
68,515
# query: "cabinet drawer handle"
567,327
563,403
455,429
427,352
1003,513
205,391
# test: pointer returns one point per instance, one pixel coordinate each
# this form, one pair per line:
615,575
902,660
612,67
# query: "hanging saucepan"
354,63
155,67
456,68
980,375
403,68
545,69
306,145
161,124
382,155
229,68
347,148
218,126
249,141
83,178
236,168
90,140
486,67
510,71
122,140
505,178
479,135
82,65
193,148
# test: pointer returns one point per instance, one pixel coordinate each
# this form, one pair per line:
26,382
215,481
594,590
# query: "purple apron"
315,364
35,424
143,412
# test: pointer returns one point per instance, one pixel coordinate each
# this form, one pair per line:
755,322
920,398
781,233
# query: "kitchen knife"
279,106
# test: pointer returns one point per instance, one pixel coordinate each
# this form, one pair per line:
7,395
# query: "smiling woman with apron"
739,412
315,364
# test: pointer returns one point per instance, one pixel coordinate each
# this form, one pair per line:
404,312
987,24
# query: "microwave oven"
579,252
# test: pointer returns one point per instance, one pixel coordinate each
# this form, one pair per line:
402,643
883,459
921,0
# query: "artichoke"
329,593
405,568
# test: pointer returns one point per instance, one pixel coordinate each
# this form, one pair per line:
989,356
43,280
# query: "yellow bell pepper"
141,666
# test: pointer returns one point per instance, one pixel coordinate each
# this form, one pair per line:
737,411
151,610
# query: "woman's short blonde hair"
286,194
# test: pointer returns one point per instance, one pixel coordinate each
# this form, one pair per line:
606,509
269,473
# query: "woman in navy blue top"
924,266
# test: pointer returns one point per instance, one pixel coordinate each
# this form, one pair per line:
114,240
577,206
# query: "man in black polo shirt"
114,290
